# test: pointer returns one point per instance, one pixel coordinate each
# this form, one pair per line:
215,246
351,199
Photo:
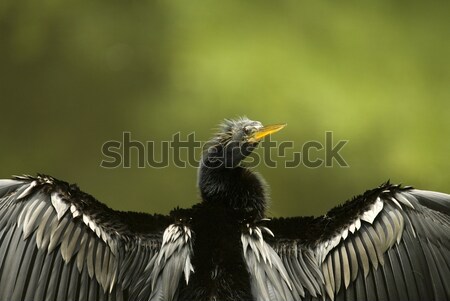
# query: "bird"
60,243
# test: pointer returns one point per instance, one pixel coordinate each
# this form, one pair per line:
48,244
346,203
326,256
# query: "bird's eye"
248,130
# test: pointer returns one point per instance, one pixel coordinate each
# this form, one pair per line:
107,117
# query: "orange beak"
264,131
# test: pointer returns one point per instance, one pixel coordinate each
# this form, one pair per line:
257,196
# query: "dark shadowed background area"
75,74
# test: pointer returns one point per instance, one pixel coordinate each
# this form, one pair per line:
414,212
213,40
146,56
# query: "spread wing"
58,243
391,243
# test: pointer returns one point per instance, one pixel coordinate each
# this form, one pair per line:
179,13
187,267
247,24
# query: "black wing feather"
391,243
58,243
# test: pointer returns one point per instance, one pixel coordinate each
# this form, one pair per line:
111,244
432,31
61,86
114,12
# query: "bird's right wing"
391,243
58,243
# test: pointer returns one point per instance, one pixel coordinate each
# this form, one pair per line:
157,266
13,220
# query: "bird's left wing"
59,243
391,243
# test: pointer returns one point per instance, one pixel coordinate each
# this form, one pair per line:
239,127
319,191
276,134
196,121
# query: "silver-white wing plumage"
57,243
393,245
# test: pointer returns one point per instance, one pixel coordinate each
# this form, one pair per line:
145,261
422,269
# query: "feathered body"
59,243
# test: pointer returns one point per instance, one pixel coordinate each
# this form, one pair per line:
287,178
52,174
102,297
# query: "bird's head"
235,140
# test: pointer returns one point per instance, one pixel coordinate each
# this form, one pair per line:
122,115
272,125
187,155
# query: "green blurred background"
75,74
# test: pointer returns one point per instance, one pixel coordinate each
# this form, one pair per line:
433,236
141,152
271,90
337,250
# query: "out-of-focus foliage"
75,74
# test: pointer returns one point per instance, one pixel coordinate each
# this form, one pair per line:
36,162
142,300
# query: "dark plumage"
59,243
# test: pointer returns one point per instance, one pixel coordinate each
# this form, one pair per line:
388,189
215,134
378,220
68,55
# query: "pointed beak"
264,131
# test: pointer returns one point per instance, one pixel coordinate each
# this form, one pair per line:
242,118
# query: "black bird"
59,243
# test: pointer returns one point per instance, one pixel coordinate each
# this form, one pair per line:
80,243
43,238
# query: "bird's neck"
238,188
